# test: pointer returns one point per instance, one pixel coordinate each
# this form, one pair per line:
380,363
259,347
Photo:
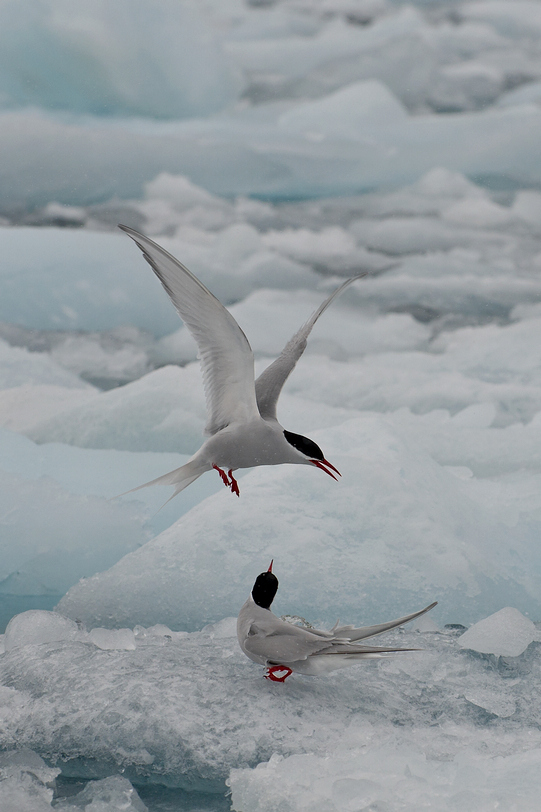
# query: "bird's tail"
180,478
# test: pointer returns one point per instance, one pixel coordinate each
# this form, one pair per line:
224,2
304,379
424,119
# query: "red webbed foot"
278,673
223,475
234,485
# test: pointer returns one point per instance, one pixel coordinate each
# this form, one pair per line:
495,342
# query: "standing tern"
284,648
241,411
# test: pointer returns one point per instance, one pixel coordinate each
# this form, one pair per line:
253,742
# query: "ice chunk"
18,367
59,524
506,633
524,94
527,206
343,332
522,17
466,86
479,213
36,627
345,113
401,235
112,794
332,249
356,333
78,280
54,537
498,704
162,411
246,152
111,639
23,406
161,60
181,193
26,782
387,778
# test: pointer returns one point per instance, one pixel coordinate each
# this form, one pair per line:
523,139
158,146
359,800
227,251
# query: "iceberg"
401,537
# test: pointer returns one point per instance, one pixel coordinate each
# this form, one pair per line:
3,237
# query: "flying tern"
284,648
241,411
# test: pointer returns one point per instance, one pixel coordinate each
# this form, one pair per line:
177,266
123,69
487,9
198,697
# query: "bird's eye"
304,445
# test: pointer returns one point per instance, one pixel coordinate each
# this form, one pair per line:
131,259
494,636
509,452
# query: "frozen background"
275,148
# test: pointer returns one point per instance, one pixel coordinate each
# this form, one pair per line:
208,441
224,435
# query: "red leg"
223,475
234,484
283,670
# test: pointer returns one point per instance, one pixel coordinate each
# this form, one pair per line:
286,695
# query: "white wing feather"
226,357
371,631
269,384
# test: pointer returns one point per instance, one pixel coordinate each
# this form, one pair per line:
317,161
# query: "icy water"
276,149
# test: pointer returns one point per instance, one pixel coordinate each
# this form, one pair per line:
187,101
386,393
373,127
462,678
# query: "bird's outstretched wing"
354,634
226,357
269,384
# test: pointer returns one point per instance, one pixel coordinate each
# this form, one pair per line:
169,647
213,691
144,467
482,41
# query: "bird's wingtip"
128,230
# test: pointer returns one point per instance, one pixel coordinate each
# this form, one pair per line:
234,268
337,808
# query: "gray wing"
282,645
269,384
226,357
371,631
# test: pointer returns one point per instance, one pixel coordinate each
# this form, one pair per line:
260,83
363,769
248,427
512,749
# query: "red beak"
321,464
270,566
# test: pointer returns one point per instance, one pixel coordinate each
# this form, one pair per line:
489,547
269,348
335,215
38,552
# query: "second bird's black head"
265,588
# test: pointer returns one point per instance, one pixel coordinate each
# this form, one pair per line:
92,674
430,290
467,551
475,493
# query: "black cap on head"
265,588
304,445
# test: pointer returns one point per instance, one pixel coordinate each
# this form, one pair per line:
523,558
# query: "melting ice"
274,148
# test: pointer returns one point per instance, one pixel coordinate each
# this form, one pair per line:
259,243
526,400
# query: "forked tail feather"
180,478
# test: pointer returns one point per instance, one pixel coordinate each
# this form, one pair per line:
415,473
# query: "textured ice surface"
163,709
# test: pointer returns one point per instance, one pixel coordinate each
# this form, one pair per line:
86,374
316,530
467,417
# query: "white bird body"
284,648
242,424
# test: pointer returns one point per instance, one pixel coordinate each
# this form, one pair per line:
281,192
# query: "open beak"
322,463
